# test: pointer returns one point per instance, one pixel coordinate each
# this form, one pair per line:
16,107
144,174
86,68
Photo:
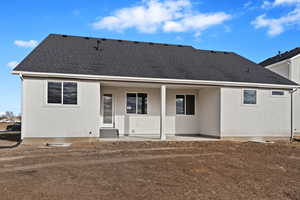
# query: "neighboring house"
74,86
288,65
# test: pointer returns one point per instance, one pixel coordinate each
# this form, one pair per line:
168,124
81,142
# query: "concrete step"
109,133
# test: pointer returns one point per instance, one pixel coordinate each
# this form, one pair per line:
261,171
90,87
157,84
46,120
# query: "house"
288,65
89,87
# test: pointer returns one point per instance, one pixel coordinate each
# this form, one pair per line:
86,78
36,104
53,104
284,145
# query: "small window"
62,93
185,104
250,97
277,93
136,103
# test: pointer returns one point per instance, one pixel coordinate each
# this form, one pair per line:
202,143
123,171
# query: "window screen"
70,93
249,96
54,92
142,103
190,104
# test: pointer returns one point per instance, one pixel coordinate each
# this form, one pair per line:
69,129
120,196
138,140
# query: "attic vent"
64,36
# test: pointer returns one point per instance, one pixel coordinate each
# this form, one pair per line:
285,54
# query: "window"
62,93
249,97
70,93
136,103
185,104
54,92
277,93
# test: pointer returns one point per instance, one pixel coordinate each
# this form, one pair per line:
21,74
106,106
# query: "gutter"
156,80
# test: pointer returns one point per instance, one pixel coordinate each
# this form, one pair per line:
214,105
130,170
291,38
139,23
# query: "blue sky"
254,29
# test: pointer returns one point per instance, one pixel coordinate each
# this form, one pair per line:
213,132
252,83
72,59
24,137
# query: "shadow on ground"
10,137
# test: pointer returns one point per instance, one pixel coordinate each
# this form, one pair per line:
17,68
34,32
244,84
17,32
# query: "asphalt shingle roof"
281,57
79,55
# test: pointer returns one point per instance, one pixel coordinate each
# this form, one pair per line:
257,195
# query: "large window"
185,104
136,103
250,97
62,93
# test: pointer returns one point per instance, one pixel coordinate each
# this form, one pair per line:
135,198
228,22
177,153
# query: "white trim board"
156,80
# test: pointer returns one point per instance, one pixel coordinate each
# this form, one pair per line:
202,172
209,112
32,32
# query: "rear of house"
92,87
288,65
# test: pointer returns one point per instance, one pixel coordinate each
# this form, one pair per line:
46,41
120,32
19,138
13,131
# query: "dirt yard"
152,170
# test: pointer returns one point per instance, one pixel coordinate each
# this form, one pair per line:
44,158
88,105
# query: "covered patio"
159,111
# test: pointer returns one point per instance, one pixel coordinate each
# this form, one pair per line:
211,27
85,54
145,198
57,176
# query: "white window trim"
251,105
185,94
62,96
136,104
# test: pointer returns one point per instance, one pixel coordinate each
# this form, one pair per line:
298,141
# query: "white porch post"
163,112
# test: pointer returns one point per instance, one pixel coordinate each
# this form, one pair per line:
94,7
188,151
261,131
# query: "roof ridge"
143,42
121,40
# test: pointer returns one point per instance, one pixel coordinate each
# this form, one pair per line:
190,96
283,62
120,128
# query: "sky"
254,29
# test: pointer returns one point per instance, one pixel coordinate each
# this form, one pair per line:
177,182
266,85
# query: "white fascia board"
155,80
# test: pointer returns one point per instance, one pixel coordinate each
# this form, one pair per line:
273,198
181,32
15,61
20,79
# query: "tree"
9,114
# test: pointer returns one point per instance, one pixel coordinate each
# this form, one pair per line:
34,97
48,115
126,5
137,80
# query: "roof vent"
64,36
151,43
212,52
97,47
103,39
136,42
119,40
180,45
87,38
166,45
279,53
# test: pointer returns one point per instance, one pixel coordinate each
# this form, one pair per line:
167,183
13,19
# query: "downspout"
22,119
292,114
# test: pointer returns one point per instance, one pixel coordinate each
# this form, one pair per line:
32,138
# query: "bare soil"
3,125
152,170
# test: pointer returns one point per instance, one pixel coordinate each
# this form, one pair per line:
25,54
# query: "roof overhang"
155,80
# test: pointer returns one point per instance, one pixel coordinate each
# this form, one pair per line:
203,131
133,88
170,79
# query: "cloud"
269,4
266,5
12,64
247,4
282,2
167,16
276,26
26,44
